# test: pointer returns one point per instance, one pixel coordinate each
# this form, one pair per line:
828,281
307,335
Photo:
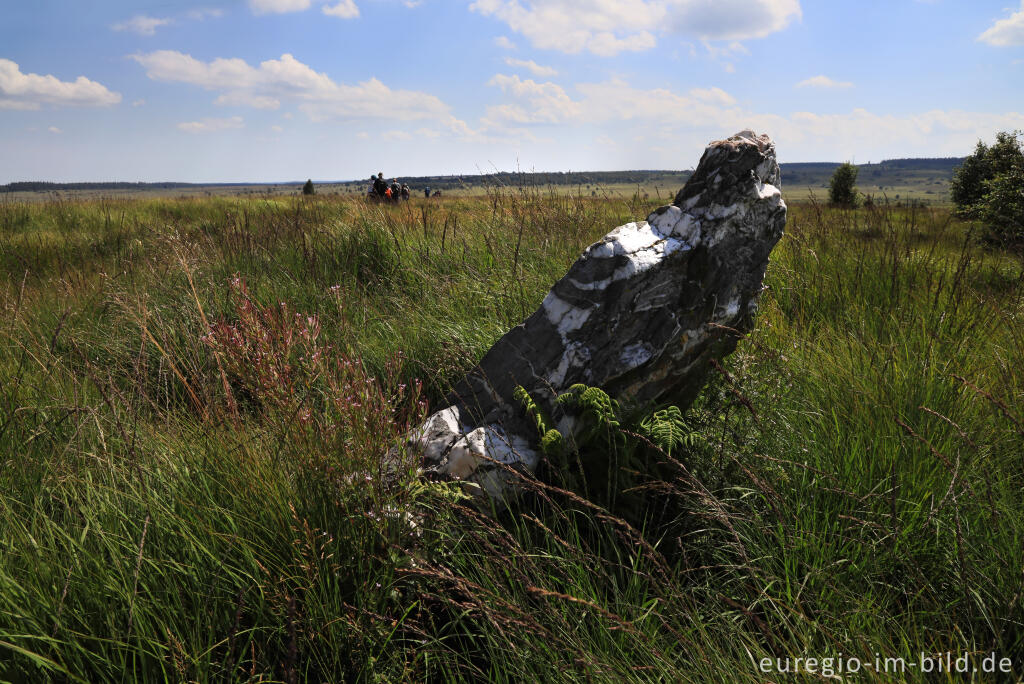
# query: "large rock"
640,314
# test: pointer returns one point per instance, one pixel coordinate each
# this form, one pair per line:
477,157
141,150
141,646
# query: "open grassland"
195,396
925,181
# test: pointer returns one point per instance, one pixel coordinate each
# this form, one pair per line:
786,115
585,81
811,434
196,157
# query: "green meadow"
197,395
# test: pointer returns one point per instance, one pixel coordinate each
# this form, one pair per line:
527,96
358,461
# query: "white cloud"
540,102
346,9
203,13
241,98
412,4
275,81
504,43
142,25
211,125
278,6
678,121
727,51
396,135
609,27
277,129
32,91
533,67
608,101
343,9
54,129
732,19
823,82
713,95
138,103
1006,32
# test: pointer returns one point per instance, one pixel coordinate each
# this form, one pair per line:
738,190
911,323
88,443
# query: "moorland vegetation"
195,395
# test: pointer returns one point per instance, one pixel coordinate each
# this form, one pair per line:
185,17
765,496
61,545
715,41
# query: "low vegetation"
842,187
197,395
989,185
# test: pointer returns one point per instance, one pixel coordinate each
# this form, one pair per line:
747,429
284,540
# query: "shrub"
1002,207
987,186
308,188
842,188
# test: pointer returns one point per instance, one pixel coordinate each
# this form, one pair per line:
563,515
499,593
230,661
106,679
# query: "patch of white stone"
731,309
635,354
435,435
563,315
472,459
768,191
576,355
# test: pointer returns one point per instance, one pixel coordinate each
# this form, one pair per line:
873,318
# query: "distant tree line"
42,186
802,173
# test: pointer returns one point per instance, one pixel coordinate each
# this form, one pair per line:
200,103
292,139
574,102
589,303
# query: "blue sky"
273,90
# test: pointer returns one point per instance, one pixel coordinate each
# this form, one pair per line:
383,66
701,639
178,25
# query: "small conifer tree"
308,189
842,189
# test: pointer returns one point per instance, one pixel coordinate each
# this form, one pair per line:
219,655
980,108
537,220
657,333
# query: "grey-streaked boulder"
641,314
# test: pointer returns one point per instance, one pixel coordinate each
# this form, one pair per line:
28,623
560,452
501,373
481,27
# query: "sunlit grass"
166,514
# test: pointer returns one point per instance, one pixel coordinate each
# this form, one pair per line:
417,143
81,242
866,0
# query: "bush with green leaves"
988,186
1003,208
308,188
842,188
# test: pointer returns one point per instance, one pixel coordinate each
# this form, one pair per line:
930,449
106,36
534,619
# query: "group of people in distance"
380,191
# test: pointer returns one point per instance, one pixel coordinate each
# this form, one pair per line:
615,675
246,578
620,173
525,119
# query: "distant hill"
917,178
44,186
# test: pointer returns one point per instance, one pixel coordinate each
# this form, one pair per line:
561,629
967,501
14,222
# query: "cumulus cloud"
603,27
211,125
343,9
31,91
274,81
676,120
145,25
732,19
278,6
203,13
504,43
713,95
346,9
142,25
531,66
608,101
537,102
609,27
823,82
1006,32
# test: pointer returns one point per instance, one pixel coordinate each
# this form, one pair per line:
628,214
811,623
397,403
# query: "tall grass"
198,400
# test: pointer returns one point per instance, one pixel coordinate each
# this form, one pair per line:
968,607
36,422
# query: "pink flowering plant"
275,363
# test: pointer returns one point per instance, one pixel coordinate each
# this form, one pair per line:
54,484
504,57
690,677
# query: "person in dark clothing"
406,192
379,185
395,189
426,192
